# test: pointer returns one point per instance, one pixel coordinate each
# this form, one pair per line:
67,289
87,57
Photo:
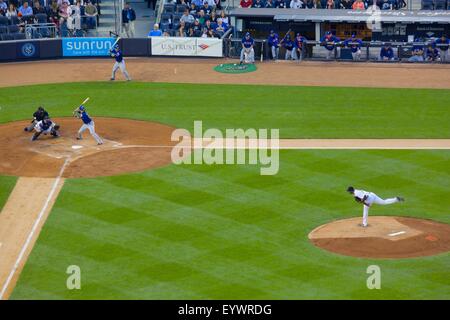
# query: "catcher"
45,126
247,52
369,198
39,115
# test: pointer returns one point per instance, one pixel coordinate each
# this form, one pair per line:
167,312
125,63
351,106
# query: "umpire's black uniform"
39,115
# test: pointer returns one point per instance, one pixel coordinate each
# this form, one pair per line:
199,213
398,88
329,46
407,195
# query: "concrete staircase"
109,10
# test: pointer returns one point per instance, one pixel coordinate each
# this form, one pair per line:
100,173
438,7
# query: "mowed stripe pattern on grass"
299,112
221,232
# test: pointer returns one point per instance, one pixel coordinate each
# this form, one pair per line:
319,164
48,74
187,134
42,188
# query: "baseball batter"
369,198
88,124
45,127
120,63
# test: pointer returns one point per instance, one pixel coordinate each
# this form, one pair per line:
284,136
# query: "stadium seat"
166,18
440,4
169,8
4,21
6,37
3,29
14,20
13,28
180,8
18,36
427,5
176,20
41,18
164,26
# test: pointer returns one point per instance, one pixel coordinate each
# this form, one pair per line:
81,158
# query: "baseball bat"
115,42
262,50
85,100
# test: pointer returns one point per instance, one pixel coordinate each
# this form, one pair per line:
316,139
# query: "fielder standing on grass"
88,123
369,198
120,62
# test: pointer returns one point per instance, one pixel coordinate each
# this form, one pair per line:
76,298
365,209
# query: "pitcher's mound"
385,237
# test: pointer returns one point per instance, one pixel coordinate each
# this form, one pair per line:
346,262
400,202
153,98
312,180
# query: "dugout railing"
315,50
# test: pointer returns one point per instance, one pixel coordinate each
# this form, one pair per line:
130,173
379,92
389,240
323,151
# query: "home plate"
396,233
77,147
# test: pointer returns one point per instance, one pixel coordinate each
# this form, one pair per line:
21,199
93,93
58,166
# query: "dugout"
369,25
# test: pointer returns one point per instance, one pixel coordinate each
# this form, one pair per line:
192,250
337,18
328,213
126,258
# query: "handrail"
160,10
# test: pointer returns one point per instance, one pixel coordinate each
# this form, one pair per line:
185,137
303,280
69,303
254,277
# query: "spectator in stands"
207,9
208,24
182,31
218,4
280,4
25,10
37,8
64,12
317,4
258,4
358,5
3,8
75,16
247,52
12,12
269,4
245,3
197,3
330,4
213,18
309,4
220,28
346,4
224,18
91,13
187,18
385,5
196,29
193,9
329,41
443,44
432,53
128,17
274,44
296,4
53,14
386,53
355,46
155,32
417,52
288,45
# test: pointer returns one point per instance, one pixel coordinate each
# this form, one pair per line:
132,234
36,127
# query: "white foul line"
396,233
33,230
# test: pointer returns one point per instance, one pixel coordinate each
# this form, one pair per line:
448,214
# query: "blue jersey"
288,44
273,41
354,44
117,54
432,53
443,44
329,42
247,43
85,118
299,42
387,53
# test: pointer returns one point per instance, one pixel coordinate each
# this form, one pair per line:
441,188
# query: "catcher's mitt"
56,127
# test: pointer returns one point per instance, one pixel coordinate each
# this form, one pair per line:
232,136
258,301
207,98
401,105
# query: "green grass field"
226,232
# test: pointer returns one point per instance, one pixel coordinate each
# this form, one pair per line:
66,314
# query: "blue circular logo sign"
28,49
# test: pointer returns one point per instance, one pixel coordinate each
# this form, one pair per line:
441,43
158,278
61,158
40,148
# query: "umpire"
39,115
